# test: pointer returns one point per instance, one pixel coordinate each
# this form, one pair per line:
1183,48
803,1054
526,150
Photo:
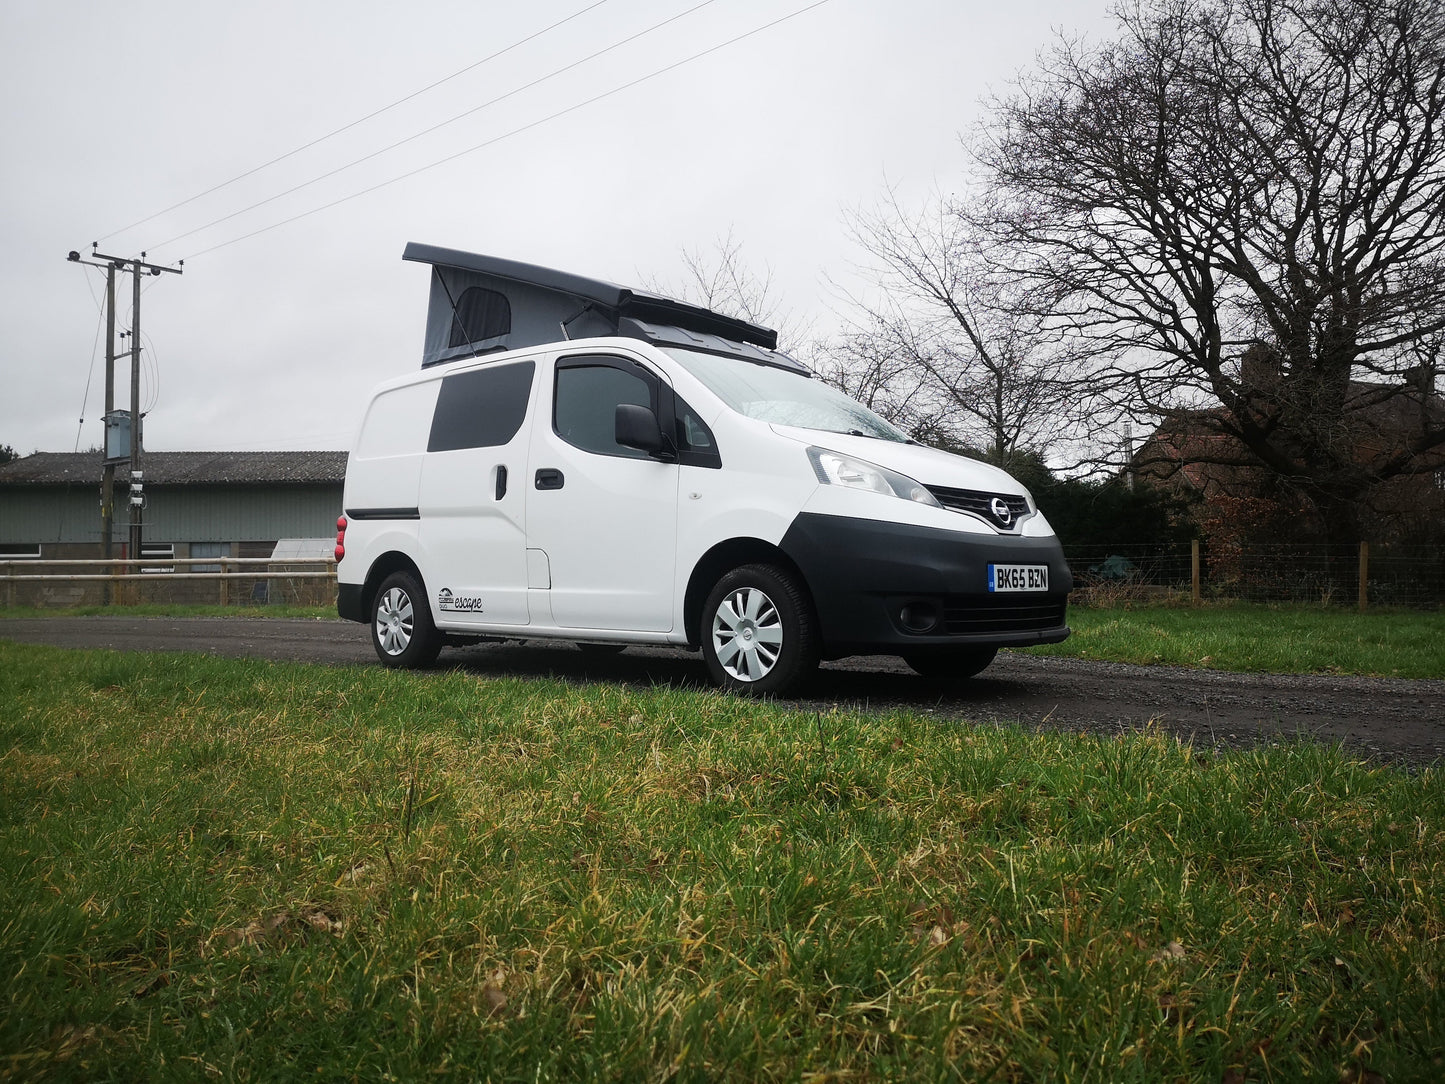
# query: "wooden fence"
226,581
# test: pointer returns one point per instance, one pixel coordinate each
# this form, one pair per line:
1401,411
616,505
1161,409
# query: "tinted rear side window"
482,408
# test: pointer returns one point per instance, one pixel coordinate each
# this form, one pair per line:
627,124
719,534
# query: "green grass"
1272,639
264,871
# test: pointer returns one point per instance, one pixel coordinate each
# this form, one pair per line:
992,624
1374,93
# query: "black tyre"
946,665
401,623
759,635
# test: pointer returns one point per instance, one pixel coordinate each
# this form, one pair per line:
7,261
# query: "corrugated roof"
182,468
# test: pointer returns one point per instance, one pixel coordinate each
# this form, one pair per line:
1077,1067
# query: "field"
244,870
1253,637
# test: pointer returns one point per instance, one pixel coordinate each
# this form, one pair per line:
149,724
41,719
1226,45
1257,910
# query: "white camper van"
578,461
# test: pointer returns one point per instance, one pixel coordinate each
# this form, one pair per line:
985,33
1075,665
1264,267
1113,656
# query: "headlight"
835,469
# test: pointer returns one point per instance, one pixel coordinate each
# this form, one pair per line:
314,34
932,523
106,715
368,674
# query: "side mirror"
637,428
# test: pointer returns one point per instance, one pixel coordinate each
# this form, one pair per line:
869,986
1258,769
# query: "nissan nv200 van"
578,461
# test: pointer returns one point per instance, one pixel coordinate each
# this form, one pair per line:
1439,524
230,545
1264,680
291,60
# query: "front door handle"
501,481
549,478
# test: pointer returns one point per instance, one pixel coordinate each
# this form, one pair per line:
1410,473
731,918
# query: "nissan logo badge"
1000,510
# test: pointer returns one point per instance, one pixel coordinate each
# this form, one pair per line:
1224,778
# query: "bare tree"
870,361
1232,174
720,279
946,346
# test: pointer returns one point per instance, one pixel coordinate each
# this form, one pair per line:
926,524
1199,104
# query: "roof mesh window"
481,314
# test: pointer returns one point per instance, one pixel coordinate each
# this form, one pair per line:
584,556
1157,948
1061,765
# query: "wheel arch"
381,568
722,559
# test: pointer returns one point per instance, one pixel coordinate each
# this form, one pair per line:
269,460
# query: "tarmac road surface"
1381,718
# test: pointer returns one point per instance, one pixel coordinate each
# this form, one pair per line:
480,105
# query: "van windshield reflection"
782,397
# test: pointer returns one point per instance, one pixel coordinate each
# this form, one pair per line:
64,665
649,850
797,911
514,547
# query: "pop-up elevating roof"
480,304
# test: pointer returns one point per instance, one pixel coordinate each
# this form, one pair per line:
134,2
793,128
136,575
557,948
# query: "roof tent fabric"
480,304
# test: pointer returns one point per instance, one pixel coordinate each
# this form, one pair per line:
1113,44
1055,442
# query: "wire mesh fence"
1395,575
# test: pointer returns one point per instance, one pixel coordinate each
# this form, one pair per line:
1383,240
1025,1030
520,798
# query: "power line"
436,127
515,131
360,120
152,361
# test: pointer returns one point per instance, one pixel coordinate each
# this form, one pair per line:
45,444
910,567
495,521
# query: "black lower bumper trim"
964,616
885,588
348,602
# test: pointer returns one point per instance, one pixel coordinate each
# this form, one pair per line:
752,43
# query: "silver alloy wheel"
747,634
394,621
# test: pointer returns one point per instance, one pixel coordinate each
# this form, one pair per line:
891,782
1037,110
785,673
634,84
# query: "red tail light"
340,538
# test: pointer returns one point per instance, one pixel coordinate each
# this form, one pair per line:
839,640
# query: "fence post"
225,583
1194,566
1364,576
9,585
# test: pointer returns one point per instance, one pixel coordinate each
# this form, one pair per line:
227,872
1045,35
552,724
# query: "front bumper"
876,585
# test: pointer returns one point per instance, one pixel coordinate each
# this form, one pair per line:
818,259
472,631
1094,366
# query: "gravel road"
1389,719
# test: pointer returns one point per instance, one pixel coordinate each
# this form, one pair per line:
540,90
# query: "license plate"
1018,577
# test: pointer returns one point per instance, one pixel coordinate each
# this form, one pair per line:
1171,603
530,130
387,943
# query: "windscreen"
777,395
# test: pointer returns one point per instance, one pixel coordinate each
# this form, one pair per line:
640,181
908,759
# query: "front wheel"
401,623
946,665
759,635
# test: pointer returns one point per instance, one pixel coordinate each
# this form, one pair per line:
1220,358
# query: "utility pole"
107,482
112,264
137,508
107,473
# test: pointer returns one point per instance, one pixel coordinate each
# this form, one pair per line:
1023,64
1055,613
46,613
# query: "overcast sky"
113,112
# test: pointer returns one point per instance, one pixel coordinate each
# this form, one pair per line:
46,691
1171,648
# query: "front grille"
970,616
980,504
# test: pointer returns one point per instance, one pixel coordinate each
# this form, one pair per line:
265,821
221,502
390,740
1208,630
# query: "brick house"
1192,456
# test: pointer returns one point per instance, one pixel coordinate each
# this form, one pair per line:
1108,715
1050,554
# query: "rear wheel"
401,623
946,665
759,635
